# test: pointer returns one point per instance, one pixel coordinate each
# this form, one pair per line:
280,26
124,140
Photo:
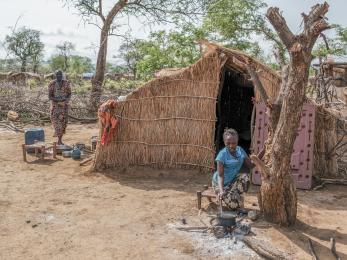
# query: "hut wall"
271,84
169,122
325,159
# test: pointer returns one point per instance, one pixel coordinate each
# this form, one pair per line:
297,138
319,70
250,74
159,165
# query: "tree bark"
23,67
98,79
277,198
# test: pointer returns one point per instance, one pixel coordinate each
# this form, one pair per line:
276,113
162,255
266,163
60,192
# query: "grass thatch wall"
169,122
325,157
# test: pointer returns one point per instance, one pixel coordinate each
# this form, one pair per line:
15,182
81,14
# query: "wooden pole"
42,152
54,150
199,195
24,153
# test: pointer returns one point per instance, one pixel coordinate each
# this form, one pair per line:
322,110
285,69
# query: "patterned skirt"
232,197
59,118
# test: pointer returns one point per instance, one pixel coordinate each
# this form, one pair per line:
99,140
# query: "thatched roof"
232,59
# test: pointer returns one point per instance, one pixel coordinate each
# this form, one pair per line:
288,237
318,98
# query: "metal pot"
225,219
66,154
62,148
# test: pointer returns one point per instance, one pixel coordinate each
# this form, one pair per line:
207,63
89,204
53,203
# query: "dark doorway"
234,108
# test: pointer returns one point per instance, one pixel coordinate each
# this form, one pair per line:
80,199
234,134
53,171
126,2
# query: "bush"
122,84
32,83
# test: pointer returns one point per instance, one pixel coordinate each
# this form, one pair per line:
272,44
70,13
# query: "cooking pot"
66,154
225,219
62,148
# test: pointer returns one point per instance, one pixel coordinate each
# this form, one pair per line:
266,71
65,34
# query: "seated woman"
226,181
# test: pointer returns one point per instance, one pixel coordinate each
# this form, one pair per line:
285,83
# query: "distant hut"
178,120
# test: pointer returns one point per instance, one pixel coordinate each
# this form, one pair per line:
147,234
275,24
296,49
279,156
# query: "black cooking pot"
225,219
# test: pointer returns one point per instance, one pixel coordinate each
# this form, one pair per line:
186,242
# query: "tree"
77,64
235,22
26,45
336,46
131,53
277,198
112,68
56,62
151,10
65,49
176,48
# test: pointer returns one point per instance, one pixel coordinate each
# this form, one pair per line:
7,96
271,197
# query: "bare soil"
56,209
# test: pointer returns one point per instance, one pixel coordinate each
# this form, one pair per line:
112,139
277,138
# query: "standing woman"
59,94
227,181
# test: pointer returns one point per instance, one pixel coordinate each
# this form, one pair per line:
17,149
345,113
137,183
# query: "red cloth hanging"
108,120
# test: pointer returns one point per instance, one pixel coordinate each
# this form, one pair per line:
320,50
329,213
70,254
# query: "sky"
60,23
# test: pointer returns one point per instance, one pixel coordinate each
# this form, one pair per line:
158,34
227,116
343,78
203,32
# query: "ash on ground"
206,245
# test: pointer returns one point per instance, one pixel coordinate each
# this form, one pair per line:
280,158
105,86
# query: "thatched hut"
178,120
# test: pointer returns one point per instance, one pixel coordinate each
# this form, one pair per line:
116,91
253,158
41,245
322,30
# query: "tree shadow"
331,197
301,232
46,161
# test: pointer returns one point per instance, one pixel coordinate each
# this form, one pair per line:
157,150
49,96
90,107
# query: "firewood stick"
313,253
333,248
260,249
86,160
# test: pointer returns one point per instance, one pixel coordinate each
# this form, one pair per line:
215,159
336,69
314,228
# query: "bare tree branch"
257,83
281,27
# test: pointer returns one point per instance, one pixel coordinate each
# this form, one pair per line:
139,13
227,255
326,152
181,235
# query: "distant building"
87,75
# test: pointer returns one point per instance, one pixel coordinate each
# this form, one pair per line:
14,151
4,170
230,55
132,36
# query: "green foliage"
131,53
336,46
32,83
65,49
122,84
111,68
56,62
236,23
80,64
25,44
162,50
77,64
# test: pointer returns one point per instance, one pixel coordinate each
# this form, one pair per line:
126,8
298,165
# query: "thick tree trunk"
277,198
98,79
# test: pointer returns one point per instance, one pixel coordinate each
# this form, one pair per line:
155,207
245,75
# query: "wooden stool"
39,147
208,193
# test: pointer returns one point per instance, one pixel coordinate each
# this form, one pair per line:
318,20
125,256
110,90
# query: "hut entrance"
234,108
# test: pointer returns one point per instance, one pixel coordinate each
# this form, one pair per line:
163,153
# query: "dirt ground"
55,209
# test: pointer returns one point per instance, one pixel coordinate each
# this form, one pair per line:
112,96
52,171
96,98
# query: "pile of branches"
33,105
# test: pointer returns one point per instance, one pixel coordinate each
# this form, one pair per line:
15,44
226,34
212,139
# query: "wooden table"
41,147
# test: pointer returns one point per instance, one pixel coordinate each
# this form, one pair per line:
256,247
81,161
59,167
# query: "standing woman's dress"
60,96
